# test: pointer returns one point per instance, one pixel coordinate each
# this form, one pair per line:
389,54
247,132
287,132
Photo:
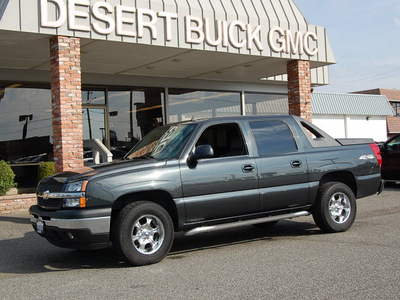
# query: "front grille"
50,185
49,203
53,184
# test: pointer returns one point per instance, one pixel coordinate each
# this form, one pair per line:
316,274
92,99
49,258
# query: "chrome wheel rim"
148,234
339,208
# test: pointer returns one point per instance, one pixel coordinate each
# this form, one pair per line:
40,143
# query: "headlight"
75,194
75,186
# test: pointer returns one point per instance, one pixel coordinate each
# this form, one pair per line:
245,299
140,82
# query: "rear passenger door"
282,168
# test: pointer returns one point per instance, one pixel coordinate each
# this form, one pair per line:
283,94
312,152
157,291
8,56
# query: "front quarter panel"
103,191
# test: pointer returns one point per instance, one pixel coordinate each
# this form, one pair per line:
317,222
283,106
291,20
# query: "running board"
245,223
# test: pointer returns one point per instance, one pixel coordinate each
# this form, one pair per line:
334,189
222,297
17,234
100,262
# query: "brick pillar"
299,88
66,98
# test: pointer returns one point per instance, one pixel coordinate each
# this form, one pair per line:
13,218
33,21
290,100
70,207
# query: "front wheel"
143,233
335,208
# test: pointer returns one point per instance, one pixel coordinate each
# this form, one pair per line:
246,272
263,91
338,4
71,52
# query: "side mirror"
202,151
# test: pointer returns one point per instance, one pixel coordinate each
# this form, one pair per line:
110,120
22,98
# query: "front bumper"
85,229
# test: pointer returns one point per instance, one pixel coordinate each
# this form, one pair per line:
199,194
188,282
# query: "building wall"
393,122
340,126
331,124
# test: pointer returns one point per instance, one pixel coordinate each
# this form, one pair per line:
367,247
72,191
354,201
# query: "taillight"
377,152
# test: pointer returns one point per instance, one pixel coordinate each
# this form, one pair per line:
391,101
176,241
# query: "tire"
143,233
335,208
266,225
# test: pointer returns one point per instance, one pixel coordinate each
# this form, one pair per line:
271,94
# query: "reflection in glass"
93,124
266,104
133,113
166,142
25,122
184,104
272,137
93,96
26,129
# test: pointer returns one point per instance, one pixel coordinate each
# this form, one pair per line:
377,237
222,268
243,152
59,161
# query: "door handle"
296,163
248,168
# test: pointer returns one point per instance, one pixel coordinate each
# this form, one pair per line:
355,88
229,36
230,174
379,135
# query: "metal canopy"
350,104
164,50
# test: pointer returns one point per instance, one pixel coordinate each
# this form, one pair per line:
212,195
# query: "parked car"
390,152
200,176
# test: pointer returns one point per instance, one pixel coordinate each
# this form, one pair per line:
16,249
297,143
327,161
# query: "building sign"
103,18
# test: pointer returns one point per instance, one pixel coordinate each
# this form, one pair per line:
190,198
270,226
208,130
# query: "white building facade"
352,115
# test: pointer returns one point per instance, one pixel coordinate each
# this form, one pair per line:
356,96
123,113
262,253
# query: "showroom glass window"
183,104
26,123
133,112
94,110
266,104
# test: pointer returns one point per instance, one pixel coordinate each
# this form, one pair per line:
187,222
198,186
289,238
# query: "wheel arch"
344,177
160,197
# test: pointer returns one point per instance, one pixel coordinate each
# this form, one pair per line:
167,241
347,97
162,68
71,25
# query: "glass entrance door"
94,126
94,115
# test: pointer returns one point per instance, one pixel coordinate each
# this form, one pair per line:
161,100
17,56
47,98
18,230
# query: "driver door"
224,185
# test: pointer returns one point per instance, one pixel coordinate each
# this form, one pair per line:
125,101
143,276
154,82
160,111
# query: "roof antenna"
193,118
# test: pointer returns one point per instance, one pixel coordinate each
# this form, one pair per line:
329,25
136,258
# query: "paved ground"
294,261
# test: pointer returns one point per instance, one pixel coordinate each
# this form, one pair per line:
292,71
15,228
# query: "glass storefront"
266,104
26,123
117,116
25,129
94,111
132,114
185,104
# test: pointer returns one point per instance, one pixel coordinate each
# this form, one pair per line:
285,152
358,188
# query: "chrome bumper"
95,225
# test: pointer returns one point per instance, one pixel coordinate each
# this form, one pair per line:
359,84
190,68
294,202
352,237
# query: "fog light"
72,202
70,235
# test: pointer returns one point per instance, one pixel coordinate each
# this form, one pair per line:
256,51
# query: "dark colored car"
390,152
204,175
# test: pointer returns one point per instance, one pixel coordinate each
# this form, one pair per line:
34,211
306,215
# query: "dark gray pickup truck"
204,175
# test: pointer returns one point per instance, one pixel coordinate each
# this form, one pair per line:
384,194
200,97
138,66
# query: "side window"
225,139
394,145
272,137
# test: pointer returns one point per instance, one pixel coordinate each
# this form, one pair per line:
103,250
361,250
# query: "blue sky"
365,38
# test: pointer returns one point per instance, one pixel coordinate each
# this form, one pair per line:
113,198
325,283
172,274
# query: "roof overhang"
350,104
179,39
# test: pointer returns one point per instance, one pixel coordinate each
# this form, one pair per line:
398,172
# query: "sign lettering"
123,20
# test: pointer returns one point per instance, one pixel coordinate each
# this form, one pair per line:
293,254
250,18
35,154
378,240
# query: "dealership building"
72,71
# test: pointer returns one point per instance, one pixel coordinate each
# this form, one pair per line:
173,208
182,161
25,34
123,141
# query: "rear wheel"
335,208
143,233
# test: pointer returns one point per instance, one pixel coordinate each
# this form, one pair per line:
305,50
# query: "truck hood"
56,182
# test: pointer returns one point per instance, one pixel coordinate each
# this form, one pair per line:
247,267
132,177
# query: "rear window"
272,136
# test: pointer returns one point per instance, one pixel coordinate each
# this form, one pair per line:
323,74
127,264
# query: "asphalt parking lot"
292,261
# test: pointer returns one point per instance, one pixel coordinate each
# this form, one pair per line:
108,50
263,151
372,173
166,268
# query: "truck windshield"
164,142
